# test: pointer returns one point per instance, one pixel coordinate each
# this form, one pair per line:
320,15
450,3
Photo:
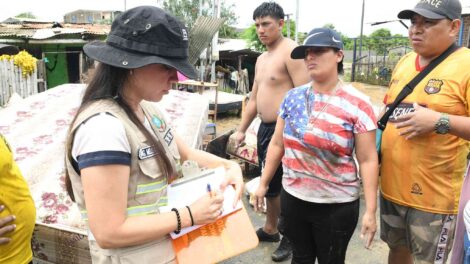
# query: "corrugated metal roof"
201,35
91,11
19,20
45,33
232,44
46,30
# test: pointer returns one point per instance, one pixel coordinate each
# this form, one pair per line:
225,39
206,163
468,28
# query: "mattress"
36,128
225,101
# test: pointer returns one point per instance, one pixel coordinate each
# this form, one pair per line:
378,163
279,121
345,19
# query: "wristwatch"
442,125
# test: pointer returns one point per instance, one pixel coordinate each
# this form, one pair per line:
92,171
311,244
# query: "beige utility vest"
147,181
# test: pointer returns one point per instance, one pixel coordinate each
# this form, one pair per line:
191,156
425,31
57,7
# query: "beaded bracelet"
191,215
178,219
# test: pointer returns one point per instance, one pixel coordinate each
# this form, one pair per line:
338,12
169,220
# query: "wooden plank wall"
12,81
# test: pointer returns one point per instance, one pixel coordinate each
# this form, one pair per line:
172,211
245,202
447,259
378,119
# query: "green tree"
400,40
26,15
252,38
188,11
347,41
379,40
227,30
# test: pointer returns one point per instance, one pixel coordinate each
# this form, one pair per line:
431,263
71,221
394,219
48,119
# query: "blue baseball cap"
318,37
451,9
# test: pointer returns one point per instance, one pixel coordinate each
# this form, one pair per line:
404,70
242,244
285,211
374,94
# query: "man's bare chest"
272,72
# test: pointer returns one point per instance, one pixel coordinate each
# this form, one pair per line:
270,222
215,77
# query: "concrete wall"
89,16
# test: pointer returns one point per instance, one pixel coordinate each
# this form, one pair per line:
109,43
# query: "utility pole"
202,67
362,26
297,21
215,40
200,7
125,5
288,25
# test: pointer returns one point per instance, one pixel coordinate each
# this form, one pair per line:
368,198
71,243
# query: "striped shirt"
318,161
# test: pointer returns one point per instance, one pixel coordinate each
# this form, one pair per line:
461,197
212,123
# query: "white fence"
12,81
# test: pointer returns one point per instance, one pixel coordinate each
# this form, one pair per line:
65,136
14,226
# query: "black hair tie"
191,215
178,219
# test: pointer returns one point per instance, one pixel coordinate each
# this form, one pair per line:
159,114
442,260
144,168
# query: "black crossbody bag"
408,89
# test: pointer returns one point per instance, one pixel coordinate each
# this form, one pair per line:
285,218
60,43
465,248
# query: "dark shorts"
428,236
318,231
265,133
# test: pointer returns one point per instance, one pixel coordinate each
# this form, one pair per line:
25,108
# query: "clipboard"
185,191
225,238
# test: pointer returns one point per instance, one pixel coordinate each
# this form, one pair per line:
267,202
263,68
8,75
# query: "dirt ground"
356,251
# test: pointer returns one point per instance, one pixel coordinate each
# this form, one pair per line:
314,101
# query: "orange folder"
227,237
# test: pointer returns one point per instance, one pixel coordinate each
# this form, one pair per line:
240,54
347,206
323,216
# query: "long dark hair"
107,83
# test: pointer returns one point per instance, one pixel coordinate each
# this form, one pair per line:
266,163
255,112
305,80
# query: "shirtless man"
275,74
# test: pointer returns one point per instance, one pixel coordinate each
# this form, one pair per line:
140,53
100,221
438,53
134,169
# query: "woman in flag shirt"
321,125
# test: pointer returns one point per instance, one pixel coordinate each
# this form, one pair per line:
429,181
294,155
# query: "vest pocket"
150,167
154,252
151,185
159,252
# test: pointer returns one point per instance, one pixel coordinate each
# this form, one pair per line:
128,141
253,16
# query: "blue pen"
209,190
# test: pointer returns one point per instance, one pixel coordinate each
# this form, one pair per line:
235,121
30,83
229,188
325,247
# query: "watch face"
442,126
442,129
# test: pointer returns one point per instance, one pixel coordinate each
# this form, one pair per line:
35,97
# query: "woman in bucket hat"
319,128
121,154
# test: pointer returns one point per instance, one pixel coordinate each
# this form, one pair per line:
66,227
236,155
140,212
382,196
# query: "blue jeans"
466,248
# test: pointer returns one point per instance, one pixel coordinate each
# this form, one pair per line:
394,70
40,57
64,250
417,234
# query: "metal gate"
375,63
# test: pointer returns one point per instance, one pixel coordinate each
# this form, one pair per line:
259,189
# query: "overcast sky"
344,14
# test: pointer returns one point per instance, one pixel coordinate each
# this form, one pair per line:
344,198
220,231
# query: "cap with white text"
434,9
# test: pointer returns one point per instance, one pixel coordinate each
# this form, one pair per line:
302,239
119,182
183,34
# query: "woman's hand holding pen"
234,177
207,208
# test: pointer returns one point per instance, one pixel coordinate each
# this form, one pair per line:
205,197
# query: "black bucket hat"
141,36
318,37
450,9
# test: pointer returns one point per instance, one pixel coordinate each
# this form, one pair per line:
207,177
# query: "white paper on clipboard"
186,191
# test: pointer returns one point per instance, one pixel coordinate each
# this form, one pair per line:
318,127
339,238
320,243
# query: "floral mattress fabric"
36,128
248,150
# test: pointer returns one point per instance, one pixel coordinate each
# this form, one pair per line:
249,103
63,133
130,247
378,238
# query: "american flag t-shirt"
318,160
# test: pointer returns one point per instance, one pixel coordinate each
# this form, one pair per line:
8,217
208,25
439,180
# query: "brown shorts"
428,236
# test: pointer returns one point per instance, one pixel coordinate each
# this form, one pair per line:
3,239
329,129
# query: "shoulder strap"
148,110
382,123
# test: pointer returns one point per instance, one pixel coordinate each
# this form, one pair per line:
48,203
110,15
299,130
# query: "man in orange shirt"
424,146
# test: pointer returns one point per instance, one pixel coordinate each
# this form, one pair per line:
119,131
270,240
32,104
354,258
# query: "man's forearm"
460,126
248,116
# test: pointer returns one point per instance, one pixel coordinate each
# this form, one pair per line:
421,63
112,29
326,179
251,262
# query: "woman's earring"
131,72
